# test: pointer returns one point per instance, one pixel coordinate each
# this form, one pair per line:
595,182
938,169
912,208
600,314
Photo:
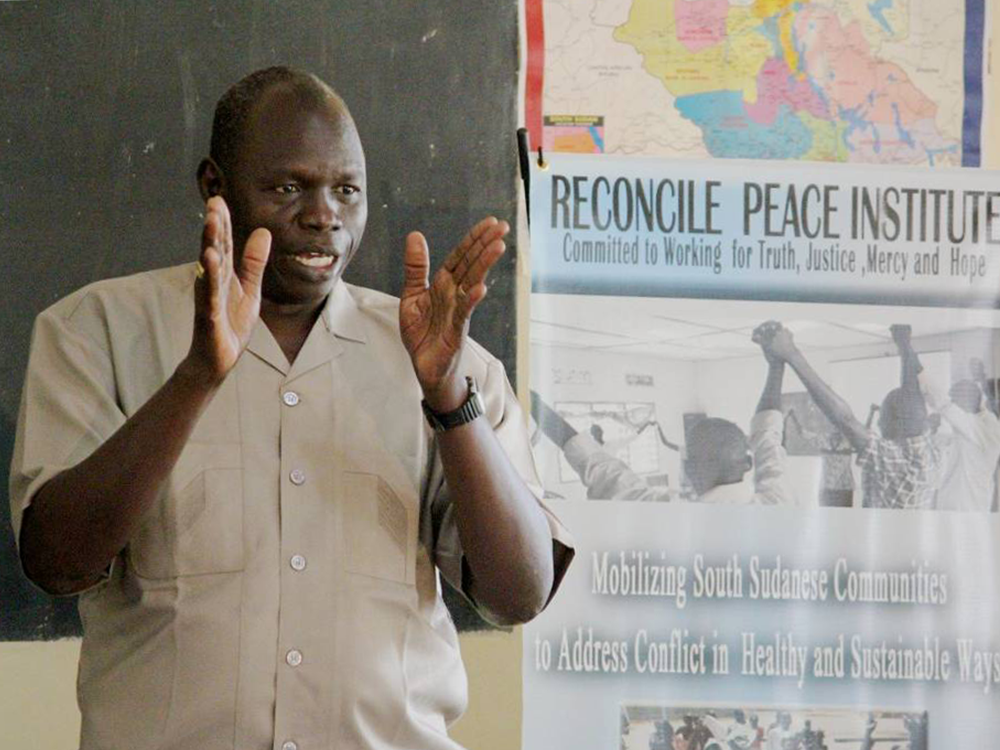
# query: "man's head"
286,156
717,453
967,395
903,415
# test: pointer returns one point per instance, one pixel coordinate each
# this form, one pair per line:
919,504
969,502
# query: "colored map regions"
769,79
879,81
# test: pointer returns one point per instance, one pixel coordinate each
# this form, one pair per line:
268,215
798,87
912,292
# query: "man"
780,732
253,509
733,736
606,476
968,478
899,466
718,453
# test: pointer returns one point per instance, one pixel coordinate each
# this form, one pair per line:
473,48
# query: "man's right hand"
227,298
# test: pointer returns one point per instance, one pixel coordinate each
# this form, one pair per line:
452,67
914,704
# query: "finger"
477,272
211,282
465,304
212,228
225,243
468,242
416,264
254,261
485,245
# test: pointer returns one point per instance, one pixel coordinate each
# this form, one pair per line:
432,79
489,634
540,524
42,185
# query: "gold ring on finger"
199,270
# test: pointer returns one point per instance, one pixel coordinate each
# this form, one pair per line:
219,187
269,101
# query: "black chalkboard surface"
106,112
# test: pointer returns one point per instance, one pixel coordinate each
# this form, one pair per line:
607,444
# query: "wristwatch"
470,410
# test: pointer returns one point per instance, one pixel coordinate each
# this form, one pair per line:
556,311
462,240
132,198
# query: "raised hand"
776,341
434,313
763,335
227,298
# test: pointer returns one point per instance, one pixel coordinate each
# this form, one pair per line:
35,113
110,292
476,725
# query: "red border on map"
534,22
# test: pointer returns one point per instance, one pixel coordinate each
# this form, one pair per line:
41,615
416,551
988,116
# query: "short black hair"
903,414
715,441
232,113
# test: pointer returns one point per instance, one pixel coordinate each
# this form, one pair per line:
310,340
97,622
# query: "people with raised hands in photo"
718,452
900,463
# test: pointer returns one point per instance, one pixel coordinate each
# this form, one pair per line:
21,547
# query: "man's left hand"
434,313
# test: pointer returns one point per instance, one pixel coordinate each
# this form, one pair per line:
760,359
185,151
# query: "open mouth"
314,260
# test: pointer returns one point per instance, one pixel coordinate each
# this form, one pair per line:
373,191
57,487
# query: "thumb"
416,264
255,255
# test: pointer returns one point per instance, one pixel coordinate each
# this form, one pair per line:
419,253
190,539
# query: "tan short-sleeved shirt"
282,593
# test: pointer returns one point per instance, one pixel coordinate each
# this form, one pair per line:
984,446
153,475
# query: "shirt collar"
342,316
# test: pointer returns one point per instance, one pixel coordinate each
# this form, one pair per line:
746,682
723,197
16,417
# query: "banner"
765,404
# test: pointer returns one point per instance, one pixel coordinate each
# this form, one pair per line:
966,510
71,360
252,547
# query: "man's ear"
211,180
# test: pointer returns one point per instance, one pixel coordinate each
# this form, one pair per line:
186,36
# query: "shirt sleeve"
968,426
607,477
504,412
767,431
68,402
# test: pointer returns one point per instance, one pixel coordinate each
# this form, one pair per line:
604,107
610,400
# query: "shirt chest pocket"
196,526
379,527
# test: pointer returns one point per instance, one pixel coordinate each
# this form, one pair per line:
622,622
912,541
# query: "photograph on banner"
683,400
659,727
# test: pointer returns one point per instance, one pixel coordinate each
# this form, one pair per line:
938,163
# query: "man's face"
300,173
679,743
967,396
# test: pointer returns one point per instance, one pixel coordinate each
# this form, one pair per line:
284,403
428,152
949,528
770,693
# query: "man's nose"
321,212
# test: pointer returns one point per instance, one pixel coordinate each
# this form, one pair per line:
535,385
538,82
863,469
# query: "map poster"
856,81
781,477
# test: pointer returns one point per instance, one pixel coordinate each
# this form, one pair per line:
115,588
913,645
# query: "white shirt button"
297,476
291,398
298,562
293,658
289,746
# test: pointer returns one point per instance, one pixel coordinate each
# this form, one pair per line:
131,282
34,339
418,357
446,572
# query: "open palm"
434,313
227,300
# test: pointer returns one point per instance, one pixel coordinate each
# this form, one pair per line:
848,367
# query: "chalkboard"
107,109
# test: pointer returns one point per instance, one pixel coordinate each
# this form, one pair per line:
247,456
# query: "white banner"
765,402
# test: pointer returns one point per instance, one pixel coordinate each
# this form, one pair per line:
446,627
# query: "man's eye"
348,190
286,189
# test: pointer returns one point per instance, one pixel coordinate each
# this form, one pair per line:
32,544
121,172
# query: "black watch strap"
468,411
